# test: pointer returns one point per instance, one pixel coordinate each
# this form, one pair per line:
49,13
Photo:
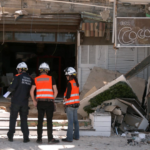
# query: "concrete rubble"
126,113
137,139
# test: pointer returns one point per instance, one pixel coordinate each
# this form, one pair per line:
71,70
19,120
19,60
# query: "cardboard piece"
90,92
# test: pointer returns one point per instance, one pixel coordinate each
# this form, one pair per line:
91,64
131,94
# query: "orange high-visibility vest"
44,88
74,97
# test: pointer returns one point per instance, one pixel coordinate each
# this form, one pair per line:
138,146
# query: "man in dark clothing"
20,88
46,92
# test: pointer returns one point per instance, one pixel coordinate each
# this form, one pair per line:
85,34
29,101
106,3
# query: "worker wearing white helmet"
22,67
44,67
72,102
70,71
46,92
20,88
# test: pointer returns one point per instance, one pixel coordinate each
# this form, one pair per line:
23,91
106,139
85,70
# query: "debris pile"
138,139
120,100
126,114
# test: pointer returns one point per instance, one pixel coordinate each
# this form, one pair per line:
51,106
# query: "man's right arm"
14,84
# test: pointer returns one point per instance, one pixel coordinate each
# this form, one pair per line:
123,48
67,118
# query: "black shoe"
39,141
65,140
75,139
10,139
53,141
26,140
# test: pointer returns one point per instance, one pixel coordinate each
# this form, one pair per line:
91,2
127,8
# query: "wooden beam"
138,68
37,28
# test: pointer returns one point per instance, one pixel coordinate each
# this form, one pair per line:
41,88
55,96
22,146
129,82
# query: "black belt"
46,100
73,105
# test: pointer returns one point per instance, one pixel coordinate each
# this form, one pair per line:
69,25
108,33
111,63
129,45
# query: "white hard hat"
22,65
70,71
44,66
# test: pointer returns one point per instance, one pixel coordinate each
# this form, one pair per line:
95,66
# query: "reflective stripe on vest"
43,79
43,90
44,95
74,95
75,100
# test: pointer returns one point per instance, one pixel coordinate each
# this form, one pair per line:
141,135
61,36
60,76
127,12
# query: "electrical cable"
115,63
56,35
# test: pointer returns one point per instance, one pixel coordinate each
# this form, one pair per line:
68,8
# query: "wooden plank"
49,20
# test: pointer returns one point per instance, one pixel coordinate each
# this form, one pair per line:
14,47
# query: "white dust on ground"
85,143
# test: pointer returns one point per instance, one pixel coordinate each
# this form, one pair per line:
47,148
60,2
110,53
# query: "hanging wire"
32,25
56,35
3,27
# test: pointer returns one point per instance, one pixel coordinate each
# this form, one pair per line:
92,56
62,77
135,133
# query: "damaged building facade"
78,34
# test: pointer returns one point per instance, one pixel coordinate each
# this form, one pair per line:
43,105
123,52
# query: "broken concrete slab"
99,77
85,101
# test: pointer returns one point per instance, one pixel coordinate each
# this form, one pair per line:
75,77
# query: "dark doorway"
58,56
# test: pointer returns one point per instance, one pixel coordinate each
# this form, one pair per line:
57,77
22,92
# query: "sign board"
132,32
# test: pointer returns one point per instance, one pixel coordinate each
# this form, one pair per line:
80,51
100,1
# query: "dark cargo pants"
48,108
23,111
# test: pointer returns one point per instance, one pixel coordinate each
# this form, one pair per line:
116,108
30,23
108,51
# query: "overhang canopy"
50,23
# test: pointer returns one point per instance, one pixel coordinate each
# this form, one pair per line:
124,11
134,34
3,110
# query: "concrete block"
5,115
3,132
102,129
99,118
101,124
4,123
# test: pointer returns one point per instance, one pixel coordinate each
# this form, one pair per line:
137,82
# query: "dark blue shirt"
20,89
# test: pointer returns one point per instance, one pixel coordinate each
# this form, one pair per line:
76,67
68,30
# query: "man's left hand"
35,103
